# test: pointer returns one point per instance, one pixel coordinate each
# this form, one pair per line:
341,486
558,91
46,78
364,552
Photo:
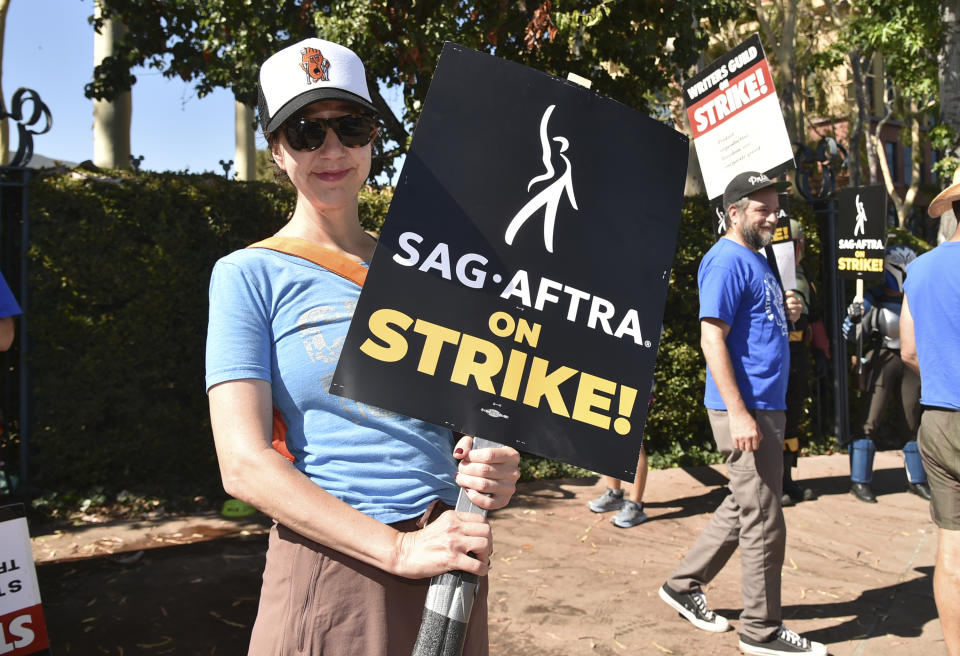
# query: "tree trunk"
694,185
245,153
4,124
917,157
949,65
860,116
111,119
885,165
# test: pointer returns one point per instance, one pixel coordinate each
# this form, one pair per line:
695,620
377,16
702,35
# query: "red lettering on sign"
743,91
23,632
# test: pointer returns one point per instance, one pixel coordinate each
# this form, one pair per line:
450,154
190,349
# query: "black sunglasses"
308,133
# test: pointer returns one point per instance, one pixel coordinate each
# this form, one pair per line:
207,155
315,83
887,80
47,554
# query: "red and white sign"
735,118
22,627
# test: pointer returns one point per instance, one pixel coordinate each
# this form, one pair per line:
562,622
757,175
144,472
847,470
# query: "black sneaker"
863,492
922,490
785,643
797,492
693,606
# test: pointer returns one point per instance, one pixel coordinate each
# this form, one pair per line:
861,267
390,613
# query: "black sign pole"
827,209
450,598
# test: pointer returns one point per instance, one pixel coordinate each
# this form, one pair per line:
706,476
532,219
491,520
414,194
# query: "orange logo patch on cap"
315,65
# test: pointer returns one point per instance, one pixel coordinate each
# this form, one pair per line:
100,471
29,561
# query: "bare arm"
908,342
252,471
743,428
7,332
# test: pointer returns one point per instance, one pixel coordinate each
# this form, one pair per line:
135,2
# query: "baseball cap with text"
746,183
305,72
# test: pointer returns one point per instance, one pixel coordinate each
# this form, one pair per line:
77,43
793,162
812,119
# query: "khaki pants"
318,602
940,447
751,518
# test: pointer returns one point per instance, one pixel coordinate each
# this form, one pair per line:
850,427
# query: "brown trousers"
749,517
318,602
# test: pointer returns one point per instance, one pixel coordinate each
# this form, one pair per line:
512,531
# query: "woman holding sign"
358,494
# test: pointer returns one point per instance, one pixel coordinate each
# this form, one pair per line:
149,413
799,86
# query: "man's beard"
755,239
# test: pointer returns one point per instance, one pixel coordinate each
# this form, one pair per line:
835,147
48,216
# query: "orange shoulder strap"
330,260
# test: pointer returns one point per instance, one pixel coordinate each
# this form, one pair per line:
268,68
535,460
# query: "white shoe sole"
601,510
721,625
816,649
640,520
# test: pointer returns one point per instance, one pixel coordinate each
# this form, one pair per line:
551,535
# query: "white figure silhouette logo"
549,196
860,228
721,221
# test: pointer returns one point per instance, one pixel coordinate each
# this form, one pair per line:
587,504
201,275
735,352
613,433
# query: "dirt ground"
565,582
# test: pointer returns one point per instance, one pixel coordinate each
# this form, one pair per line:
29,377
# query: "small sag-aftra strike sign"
518,287
735,120
861,232
782,246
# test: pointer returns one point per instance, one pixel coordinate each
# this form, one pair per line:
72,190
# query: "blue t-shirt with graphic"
283,319
738,287
932,286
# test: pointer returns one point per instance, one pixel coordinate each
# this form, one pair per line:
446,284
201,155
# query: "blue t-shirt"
283,319
932,286
738,287
8,304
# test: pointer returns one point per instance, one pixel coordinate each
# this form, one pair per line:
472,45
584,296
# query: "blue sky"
49,48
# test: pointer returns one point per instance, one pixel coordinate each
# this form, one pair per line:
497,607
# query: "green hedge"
119,268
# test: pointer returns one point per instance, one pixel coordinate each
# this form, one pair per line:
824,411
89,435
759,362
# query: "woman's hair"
279,175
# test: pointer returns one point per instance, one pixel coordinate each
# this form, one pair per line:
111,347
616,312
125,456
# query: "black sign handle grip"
450,598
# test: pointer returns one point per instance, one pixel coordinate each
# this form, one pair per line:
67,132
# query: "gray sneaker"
630,515
609,500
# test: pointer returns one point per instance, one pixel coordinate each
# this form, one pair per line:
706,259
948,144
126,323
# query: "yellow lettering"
513,375
436,336
468,365
527,333
588,399
540,385
501,324
380,325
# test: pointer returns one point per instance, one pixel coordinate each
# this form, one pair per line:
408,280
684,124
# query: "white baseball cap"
306,72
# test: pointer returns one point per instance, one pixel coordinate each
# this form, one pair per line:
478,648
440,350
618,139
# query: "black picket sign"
518,287
861,232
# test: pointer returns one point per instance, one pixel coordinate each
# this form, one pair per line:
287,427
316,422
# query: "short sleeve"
720,293
8,304
238,331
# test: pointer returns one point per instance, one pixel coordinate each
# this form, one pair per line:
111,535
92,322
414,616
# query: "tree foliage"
632,51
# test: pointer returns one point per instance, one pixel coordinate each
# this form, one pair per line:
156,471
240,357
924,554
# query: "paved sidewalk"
857,576
565,581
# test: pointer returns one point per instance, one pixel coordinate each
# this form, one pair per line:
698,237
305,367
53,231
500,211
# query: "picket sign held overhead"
518,287
861,234
735,120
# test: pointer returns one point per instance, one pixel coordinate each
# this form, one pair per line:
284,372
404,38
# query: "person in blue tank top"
930,345
361,496
744,337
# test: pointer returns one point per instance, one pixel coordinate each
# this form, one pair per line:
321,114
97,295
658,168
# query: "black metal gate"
15,385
